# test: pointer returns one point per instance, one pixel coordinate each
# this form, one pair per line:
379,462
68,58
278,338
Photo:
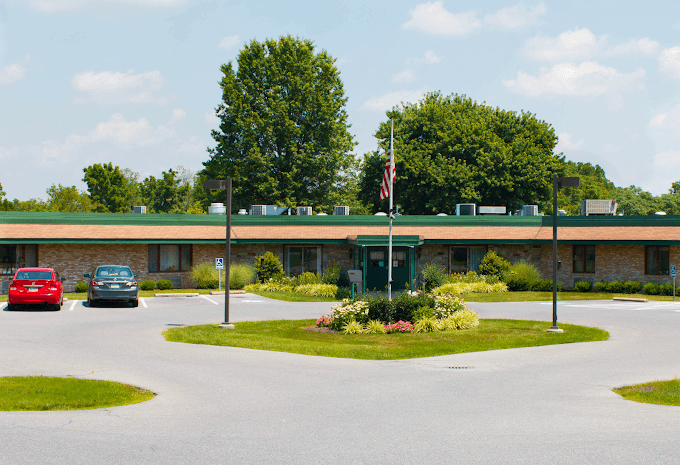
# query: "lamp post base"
226,325
555,329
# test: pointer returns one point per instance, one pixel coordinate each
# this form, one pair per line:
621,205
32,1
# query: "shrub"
308,278
147,285
545,285
447,305
600,286
467,288
164,284
399,327
432,275
353,327
632,287
615,287
269,286
404,306
331,274
240,274
318,289
267,266
471,277
374,327
666,289
521,276
651,289
426,325
343,293
493,265
583,286
324,321
423,312
347,311
81,287
465,319
204,276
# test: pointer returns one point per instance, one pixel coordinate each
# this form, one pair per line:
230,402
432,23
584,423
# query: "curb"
185,294
237,291
631,299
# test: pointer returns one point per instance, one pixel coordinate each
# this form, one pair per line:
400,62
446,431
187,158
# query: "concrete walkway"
537,405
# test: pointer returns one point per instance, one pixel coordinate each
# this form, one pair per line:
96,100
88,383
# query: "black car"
112,283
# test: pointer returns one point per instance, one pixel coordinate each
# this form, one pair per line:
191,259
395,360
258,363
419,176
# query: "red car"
31,286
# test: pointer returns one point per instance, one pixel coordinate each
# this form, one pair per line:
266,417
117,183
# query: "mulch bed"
322,329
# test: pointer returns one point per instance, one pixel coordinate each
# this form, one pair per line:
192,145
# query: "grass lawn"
292,336
44,393
656,392
529,296
295,297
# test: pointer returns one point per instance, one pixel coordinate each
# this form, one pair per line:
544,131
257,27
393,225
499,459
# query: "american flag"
389,168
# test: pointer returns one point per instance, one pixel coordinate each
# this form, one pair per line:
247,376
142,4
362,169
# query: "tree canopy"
450,149
284,137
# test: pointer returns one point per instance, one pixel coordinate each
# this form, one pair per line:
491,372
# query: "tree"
452,150
161,195
107,186
67,199
284,137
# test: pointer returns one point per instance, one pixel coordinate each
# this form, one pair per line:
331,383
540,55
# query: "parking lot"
549,404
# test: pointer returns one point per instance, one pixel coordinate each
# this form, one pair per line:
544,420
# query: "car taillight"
131,283
97,283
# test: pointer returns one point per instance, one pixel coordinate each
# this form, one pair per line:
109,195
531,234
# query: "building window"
302,259
169,257
466,258
584,259
376,259
17,256
656,259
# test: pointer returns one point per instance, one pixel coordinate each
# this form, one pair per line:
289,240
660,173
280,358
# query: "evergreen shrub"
80,287
147,285
615,287
493,265
666,289
632,287
267,266
164,284
651,289
545,285
583,286
432,275
600,286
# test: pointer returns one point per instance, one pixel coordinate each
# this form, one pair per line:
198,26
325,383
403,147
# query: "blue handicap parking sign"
219,263
672,271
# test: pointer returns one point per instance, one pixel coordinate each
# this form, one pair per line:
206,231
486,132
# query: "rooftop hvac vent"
341,210
139,209
217,209
304,210
598,207
465,209
529,210
491,210
266,210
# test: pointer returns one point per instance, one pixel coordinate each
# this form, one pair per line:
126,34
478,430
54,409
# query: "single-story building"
166,246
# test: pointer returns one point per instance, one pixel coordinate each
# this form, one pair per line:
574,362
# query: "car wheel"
135,303
56,307
11,307
91,303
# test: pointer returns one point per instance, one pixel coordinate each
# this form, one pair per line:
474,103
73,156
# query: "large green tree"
67,199
284,137
450,149
109,189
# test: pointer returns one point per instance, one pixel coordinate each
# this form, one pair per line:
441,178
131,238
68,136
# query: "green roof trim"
384,240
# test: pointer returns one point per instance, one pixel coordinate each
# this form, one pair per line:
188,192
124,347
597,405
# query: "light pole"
565,181
220,185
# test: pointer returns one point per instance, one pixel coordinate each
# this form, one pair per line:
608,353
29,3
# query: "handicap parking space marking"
209,299
73,305
248,300
141,299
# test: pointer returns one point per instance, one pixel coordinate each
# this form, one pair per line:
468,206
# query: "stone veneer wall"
519,253
437,253
612,263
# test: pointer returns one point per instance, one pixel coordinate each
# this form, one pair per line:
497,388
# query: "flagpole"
389,249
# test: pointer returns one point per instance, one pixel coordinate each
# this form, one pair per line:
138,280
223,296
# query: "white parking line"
209,299
73,305
143,302
2,305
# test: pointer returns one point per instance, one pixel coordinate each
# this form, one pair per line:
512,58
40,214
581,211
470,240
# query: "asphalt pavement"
539,405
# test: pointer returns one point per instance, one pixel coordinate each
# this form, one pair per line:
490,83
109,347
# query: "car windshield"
34,274
114,272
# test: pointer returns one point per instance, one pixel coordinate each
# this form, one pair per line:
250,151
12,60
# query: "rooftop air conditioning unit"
258,210
139,209
217,208
529,210
341,210
266,210
598,207
465,209
304,210
491,210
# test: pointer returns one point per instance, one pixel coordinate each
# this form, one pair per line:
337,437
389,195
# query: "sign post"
219,264
673,276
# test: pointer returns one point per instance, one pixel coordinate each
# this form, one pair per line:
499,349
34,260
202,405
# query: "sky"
135,82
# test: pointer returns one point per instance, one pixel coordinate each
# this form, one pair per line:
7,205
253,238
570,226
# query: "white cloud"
515,17
586,79
108,87
669,159
669,61
432,18
12,73
388,101
430,58
406,76
583,44
669,119
228,42
565,142
54,6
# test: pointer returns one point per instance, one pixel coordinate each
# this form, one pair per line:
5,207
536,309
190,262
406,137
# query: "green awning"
402,241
